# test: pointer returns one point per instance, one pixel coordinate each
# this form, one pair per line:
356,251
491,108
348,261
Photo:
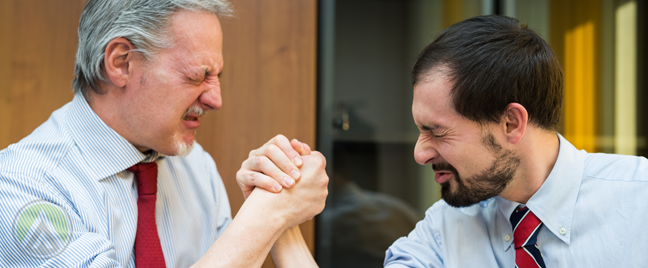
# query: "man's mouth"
443,172
191,116
441,176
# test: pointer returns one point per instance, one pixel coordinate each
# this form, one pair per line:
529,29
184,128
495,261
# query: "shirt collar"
555,201
104,151
506,208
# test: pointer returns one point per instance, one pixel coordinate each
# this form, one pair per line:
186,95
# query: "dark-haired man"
487,100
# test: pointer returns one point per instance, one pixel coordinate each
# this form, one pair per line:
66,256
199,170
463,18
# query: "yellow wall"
575,37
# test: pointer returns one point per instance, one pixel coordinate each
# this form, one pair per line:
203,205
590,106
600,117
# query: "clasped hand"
293,177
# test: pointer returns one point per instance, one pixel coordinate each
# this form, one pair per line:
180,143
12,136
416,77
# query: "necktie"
148,250
526,227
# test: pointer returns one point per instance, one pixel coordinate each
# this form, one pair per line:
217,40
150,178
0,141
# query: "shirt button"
507,238
563,231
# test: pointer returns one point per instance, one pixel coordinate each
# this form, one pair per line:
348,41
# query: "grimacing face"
178,85
468,162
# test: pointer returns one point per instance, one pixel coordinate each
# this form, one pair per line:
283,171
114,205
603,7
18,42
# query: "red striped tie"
526,227
148,250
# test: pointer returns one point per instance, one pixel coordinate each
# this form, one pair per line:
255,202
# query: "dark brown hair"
494,61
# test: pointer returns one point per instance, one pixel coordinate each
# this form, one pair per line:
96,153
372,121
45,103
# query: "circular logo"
42,229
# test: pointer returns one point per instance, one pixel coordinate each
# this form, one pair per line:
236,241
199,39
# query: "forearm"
248,239
291,250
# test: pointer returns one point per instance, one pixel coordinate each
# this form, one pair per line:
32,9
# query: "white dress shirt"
73,166
594,208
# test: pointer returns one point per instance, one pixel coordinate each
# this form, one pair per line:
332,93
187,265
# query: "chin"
182,145
183,148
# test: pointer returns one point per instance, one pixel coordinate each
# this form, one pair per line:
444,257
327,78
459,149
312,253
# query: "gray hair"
142,22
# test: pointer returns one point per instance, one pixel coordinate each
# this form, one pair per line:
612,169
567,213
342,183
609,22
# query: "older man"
115,179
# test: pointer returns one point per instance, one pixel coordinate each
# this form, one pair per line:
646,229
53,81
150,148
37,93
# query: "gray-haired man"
114,177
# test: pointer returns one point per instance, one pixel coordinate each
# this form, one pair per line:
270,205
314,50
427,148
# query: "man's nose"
424,153
211,99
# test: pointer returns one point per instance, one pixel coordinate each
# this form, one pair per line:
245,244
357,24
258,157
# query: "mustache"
195,109
444,166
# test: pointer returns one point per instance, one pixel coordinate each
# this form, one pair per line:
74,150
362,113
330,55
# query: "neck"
538,152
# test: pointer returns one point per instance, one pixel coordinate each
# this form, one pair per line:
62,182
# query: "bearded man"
487,102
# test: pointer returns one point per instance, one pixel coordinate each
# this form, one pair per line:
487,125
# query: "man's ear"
117,59
515,119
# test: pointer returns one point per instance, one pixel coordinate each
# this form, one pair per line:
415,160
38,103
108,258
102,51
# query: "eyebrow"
431,127
206,70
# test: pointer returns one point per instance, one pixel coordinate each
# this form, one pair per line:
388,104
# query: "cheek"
451,154
462,156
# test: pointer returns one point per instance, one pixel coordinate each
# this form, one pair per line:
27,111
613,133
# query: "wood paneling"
268,83
37,50
268,86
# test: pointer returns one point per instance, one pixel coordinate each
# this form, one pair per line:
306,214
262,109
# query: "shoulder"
615,167
41,151
435,238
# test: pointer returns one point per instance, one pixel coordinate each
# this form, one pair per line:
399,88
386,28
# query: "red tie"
148,250
526,227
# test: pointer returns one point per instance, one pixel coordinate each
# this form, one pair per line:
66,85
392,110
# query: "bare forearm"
291,250
248,239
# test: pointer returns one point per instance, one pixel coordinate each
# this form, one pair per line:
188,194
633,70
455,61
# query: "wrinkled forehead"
433,108
196,38
196,31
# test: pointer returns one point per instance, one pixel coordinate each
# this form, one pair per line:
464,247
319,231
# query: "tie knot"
525,227
146,177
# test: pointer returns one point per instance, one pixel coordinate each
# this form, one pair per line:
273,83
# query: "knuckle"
281,137
251,178
273,148
255,160
259,160
321,164
263,159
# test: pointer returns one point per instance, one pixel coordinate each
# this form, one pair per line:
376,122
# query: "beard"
487,184
182,148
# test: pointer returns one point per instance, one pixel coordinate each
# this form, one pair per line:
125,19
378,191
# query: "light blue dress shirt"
594,208
70,175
